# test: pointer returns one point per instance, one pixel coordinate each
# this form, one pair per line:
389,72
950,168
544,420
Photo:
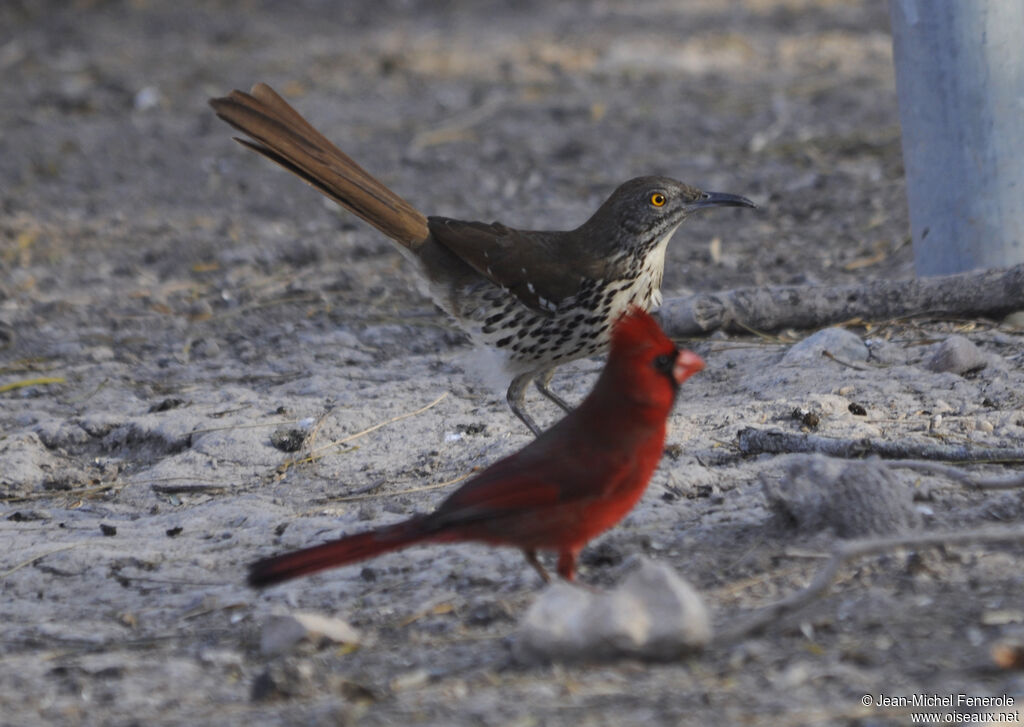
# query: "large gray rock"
956,355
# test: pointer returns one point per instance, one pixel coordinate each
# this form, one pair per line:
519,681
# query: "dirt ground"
185,305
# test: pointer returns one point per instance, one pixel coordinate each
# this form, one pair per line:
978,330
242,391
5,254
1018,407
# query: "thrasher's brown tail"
338,552
281,134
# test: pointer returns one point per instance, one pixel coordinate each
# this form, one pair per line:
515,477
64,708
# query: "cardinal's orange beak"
687,364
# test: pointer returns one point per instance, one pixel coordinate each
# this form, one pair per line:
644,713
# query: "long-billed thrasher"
538,298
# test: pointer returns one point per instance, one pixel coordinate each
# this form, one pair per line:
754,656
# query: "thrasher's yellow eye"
658,199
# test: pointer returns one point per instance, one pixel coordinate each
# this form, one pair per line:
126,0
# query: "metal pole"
960,80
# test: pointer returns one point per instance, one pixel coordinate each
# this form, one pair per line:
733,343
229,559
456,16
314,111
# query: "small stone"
553,624
839,342
808,418
410,680
1015,319
1002,617
200,310
146,98
288,439
956,355
283,680
652,614
1008,654
99,354
486,613
679,619
282,632
204,348
472,429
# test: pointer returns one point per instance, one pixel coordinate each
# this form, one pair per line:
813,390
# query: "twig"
426,608
458,126
40,381
89,395
207,430
169,581
760,441
32,363
763,335
33,559
257,305
313,454
411,490
360,490
375,427
849,364
53,494
314,431
965,478
187,489
845,551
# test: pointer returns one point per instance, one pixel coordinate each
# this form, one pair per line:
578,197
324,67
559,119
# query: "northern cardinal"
574,481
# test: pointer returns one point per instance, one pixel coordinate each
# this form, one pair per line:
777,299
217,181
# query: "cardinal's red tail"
337,553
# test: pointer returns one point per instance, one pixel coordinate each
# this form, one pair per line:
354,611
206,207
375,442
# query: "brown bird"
571,483
538,298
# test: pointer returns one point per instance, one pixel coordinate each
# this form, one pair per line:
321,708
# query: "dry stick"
40,381
34,558
848,550
191,489
89,395
964,478
313,454
421,488
979,293
314,431
378,425
232,427
849,364
76,492
360,490
367,494
458,127
761,441
189,486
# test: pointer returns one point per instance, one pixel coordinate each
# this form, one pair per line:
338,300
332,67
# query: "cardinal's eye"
665,362
658,199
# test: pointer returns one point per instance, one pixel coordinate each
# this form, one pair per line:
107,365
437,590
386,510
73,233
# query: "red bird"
573,482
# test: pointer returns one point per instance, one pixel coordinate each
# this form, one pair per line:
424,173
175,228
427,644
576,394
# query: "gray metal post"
960,79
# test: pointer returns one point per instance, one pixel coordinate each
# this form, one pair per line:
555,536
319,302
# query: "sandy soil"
191,305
